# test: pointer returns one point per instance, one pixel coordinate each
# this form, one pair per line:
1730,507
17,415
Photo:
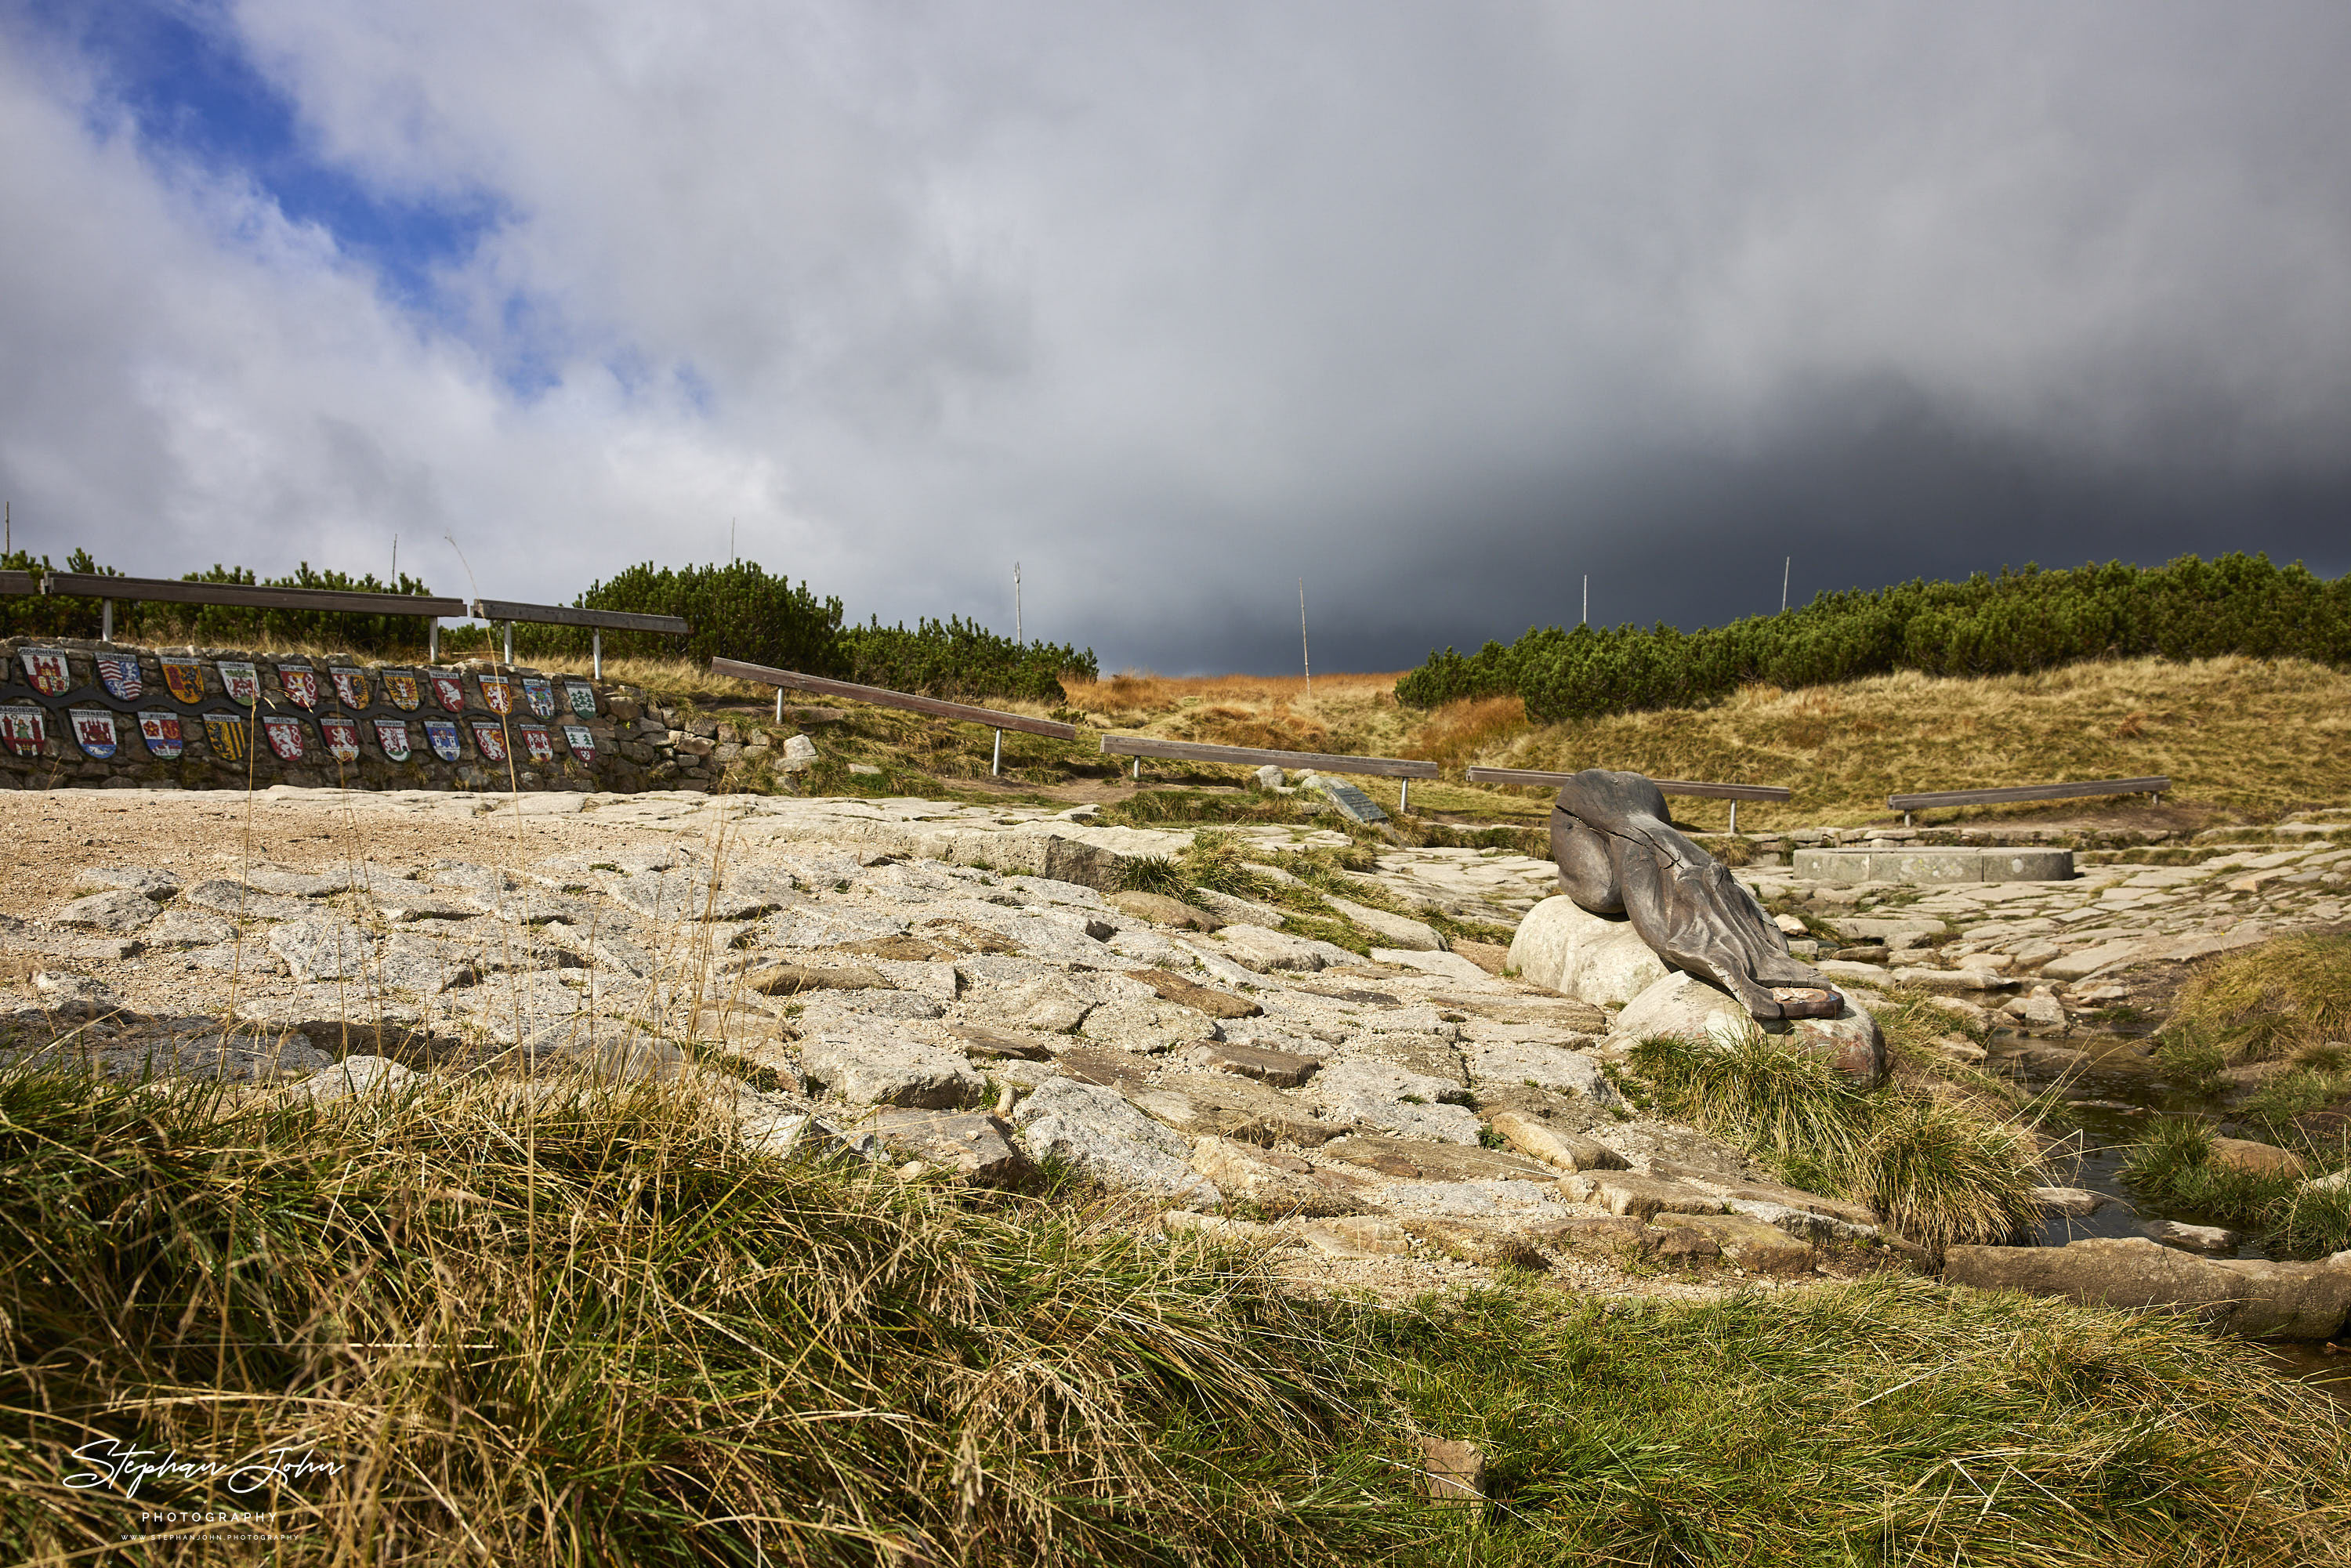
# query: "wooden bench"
937,708
599,622
106,590
1734,793
1905,804
1139,747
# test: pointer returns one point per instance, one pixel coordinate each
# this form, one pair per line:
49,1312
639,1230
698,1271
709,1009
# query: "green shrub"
959,658
2020,621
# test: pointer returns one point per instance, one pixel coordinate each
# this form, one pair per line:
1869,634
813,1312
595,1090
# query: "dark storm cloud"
1438,307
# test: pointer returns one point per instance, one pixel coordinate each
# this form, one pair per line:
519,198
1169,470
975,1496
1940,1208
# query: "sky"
1440,308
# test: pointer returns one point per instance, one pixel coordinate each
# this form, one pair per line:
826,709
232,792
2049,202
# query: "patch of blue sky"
179,70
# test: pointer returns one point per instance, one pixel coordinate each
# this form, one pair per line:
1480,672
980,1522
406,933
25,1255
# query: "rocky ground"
947,988
960,990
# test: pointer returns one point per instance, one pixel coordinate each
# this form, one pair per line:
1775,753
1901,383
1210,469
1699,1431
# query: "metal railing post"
1404,798
780,705
996,763
509,659
106,621
596,654
1734,816
432,641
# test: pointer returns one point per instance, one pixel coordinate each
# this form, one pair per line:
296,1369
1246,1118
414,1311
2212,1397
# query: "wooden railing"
599,622
1905,804
245,595
879,697
1734,793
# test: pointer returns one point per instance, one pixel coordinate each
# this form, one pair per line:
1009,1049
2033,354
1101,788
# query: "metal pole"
780,705
1404,798
596,652
509,642
1785,563
106,621
995,763
1586,617
1302,657
1734,816
1016,604
432,640
1138,770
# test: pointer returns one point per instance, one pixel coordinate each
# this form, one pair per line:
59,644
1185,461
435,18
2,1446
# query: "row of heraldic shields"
23,730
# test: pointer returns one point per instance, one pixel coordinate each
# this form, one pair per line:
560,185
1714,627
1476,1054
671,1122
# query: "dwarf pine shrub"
2003,624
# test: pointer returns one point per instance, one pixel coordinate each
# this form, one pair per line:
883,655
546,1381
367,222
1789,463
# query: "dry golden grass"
1357,714
2247,737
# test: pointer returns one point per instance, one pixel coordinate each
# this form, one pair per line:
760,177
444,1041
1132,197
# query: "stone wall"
80,715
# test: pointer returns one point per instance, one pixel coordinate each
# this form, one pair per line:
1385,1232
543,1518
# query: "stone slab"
1935,865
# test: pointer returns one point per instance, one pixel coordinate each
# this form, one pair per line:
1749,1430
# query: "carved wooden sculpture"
1619,855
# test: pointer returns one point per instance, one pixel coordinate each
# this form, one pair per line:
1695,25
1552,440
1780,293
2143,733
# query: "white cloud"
1172,304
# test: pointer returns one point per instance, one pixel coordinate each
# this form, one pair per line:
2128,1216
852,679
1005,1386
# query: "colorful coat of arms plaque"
449,690
240,680
400,689
489,740
229,733
391,736
440,734
343,733
537,744
583,741
93,731
285,733
300,684
539,695
46,668
184,679
350,686
118,674
22,728
160,728
583,698
497,694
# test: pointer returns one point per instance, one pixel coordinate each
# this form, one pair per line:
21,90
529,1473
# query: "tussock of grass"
2173,1164
2285,995
596,1331
1890,1422
593,1332
1937,1170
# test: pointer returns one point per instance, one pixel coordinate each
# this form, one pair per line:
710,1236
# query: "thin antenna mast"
1785,562
1017,638
1586,621
394,584
1303,657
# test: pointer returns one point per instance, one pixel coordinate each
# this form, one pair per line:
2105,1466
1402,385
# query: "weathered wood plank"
171,590
1254,757
1669,786
565,615
2028,792
19,583
936,706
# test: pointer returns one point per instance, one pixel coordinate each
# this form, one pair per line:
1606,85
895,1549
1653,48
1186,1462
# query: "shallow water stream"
2115,1099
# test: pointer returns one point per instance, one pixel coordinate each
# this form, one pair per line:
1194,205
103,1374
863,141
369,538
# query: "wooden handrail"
1667,786
565,615
2028,792
1255,757
881,697
174,590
